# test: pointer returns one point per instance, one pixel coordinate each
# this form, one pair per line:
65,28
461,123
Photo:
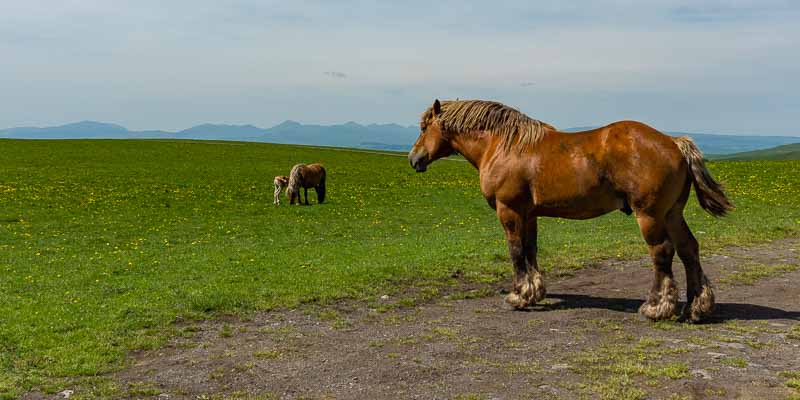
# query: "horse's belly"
572,213
580,208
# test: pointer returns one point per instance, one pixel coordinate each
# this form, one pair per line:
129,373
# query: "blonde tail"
710,193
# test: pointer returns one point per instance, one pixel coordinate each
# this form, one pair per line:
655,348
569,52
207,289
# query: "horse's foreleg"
699,295
531,249
663,298
305,192
524,290
277,195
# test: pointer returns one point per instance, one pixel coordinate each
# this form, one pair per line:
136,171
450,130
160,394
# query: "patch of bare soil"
586,341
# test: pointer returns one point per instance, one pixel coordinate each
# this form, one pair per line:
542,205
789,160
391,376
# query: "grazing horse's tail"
709,192
321,187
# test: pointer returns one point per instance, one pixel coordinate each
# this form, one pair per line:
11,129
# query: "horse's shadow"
723,311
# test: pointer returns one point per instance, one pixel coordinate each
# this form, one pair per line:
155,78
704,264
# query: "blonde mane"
514,128
295,180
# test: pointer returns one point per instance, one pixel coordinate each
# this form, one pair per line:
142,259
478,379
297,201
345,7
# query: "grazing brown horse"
529,169
306,176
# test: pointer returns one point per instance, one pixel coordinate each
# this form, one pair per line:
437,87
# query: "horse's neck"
473,147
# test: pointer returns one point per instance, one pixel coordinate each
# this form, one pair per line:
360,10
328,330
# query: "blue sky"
701,66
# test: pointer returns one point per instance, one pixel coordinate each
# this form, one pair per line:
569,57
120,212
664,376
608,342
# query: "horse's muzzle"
418,161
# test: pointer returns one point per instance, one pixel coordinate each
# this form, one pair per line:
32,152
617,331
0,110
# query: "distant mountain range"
350,134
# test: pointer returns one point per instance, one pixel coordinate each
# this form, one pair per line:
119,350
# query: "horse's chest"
506,191
492,201
487,191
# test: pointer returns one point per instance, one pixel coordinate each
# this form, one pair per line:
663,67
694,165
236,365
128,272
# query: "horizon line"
570,129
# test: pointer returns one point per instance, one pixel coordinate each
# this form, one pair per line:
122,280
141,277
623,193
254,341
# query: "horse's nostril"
418,162
413,160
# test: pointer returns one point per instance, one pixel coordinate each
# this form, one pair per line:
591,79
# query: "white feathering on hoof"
530,292
515,301
703,304
662,307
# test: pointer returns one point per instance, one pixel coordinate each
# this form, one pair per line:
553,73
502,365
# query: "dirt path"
587,341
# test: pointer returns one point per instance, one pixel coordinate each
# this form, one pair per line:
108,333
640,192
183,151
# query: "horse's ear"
437,107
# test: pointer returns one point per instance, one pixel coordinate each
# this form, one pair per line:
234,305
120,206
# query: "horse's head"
432,143
293,195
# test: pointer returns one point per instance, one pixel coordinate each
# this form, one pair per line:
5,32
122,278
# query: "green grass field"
104,245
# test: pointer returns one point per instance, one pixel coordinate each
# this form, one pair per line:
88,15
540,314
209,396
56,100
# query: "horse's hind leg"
663,298
699,295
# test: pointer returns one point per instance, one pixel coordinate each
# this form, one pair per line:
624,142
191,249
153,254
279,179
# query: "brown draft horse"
305,177
529,169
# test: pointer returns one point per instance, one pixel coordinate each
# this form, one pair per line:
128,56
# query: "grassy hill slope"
785,152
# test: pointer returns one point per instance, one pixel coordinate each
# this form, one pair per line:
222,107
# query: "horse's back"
623,144
313,175
592,172
633,144
640,134
644,163
317,168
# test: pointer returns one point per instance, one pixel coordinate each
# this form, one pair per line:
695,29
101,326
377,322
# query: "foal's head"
283,180
432,143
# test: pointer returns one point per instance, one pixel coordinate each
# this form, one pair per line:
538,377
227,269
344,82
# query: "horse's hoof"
689,321
684,317
658,311
703,304
662,304
539,290
514,300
